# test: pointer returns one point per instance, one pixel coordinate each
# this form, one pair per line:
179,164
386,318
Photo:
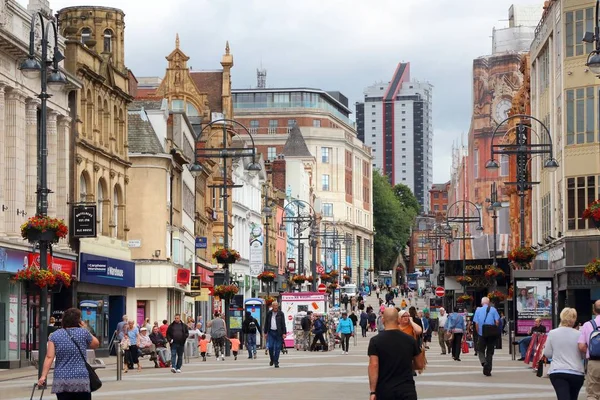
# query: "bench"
96,363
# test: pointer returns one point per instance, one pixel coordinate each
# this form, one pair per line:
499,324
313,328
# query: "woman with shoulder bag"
71,377
456,325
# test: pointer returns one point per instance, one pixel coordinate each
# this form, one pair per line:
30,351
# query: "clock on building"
501,110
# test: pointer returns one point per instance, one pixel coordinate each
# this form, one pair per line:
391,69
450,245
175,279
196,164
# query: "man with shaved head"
391,357
592,375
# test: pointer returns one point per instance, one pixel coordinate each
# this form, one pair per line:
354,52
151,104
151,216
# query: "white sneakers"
222,358
178,371
173,370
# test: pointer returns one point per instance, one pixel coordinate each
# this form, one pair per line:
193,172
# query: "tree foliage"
407,198
392,221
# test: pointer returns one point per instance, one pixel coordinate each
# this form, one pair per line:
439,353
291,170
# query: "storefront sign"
474,267
533,299
206,276
183,276
84,221
106,271
201,242
14,260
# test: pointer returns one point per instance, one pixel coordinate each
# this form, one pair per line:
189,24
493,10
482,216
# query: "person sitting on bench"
147,347
524,343
160,343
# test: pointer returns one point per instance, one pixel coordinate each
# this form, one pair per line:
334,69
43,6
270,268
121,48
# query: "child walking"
235,345
203,345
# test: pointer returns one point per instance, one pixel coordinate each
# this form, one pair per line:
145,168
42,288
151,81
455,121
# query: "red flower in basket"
465,298
42,278
592,269
522,255
325,277
493,272
223,254
464,280
226,291
266,276
44,228
593,213
347,269
299,279
496,296
334,273
269,300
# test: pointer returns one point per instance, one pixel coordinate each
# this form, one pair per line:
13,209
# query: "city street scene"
300,199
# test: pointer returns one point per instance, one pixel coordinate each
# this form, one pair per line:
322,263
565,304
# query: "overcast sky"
342,45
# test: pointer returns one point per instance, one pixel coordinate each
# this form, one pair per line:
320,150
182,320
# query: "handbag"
95,382
124,344
448,335
465,347
489,330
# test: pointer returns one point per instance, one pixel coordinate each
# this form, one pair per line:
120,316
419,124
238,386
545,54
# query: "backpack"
594,342
304,323
252,327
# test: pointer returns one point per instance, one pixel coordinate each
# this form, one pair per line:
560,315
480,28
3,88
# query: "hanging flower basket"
325,277
347,269
399,269
44,228
226,291
593,213
423,269
522,255
347,278
494,273
464,280
592,269
269,300
226,256
511,292
496,296
43,278
299,279
465,298
266,276
334,273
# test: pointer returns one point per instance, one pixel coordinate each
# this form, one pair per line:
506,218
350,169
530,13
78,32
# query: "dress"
70,373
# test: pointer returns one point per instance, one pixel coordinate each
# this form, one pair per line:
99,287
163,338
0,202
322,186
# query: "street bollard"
119,353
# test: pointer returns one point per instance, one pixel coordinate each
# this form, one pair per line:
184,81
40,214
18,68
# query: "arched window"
100,202
86,35
116,204
83,189
108,41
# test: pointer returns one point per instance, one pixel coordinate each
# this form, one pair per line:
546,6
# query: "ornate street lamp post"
32,67
224,153
302,216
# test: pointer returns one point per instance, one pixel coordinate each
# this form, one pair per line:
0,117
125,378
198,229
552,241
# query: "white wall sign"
135,243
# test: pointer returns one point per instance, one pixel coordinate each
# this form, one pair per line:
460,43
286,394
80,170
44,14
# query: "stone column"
31,166
63,168
14,156
3,203
52,160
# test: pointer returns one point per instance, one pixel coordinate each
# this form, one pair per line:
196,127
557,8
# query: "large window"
577,23
325,182
273,123
271,153
325,152
291,123
476,163
546,216
108,41
327,209
581,116
86,35
581,191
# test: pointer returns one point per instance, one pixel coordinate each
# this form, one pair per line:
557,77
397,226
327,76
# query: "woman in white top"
566,369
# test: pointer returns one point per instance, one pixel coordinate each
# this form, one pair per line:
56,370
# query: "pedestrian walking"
66,350
364,321
345,328
444,344
456,325
177,334
566,370
378,292
589,344
487,324
218,335
275,332
319,329
304,334
133,332
392,357
250,327
372,317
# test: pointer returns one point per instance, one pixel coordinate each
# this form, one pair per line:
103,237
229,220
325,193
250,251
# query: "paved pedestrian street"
306,375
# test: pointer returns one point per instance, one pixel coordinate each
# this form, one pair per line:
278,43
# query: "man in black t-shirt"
391,354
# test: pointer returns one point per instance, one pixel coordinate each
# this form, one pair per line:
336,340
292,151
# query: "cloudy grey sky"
342,45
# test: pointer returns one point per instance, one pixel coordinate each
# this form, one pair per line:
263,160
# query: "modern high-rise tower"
395,120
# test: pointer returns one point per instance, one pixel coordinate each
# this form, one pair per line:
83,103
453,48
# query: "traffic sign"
320,269
440,291
322,288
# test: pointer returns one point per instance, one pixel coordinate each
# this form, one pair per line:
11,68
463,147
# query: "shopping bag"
465,347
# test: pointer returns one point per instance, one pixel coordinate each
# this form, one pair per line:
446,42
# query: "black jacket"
178,332
280,318
246,323
158,339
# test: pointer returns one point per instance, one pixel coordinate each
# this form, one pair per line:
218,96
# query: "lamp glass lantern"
492,164
31,68
291,266
593,62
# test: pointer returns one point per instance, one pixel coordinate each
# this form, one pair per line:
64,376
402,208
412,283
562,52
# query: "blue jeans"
524,345
274,343
176,355
251,344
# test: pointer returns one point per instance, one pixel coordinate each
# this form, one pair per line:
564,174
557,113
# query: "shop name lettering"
477,267
114,272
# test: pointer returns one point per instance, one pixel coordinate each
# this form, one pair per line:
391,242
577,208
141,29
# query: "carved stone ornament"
78,159
126,179
4,15
112,173
96,167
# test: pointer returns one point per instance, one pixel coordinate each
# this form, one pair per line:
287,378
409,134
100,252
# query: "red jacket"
163,329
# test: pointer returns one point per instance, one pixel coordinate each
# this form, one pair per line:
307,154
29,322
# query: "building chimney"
278,173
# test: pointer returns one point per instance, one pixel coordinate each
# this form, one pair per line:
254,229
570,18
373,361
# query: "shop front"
202,286
102,293
20,301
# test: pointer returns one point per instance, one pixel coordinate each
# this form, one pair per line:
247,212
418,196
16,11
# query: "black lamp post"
593,60
463,219
302,216
224,153
291,270
32,67
523,149
494,206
